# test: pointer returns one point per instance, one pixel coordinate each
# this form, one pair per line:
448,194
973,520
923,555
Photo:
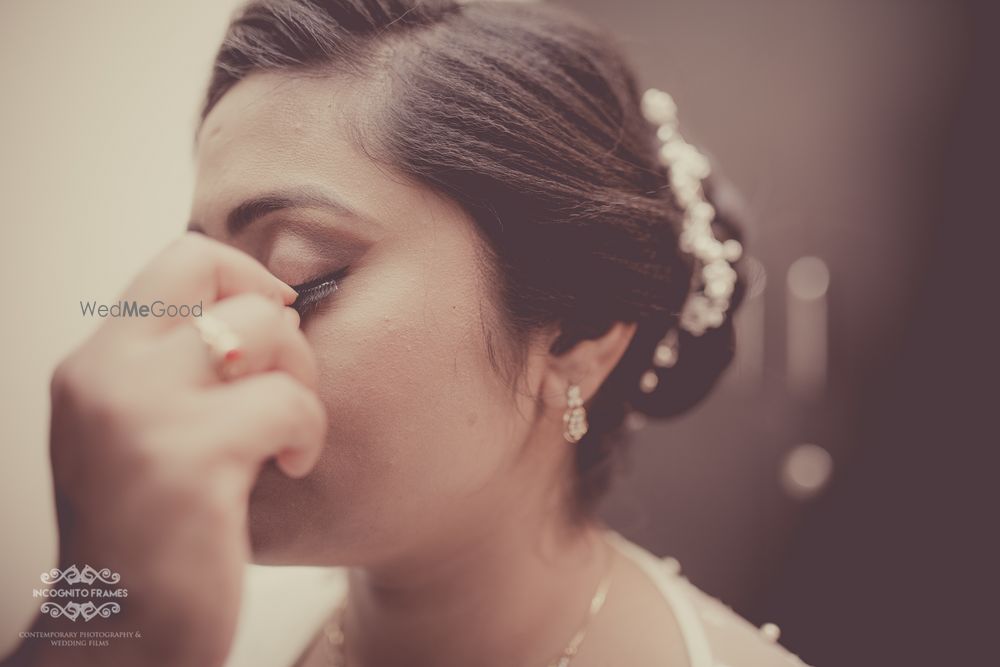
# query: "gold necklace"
335,634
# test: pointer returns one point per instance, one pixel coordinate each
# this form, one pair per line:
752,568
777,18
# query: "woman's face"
424,440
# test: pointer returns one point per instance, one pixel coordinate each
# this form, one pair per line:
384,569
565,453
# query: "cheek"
418,418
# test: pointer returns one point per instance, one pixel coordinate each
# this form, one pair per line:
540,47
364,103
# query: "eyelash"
313,292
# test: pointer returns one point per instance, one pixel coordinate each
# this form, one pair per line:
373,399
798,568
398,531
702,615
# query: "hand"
153,455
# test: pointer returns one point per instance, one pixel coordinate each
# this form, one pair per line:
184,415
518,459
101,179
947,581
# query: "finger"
268,337
197,270
278,417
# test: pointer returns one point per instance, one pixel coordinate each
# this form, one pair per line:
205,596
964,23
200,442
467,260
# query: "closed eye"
313,292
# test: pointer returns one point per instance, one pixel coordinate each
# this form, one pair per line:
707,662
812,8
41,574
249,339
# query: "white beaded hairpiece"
714,278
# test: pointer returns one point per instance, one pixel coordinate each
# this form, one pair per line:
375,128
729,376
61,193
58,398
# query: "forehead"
272,131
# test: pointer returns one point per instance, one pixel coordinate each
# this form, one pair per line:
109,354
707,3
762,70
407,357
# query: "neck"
510,591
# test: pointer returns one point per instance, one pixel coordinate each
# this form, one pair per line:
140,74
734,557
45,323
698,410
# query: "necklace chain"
334,631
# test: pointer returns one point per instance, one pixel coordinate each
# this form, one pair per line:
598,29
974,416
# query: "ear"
587,364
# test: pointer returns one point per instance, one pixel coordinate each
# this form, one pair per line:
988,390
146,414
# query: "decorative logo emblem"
88,584
72,575
75,610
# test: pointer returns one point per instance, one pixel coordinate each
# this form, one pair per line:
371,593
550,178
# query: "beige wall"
99,103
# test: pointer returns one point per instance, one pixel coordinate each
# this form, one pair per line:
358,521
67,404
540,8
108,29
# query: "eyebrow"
251,210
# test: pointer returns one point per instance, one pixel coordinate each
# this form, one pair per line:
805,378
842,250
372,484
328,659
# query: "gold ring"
223,345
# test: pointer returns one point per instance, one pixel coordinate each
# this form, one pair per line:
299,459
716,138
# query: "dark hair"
529,117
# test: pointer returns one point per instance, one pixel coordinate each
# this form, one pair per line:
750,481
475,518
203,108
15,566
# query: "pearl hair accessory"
714,278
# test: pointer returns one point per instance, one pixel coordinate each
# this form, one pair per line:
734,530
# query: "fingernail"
293,463
286,294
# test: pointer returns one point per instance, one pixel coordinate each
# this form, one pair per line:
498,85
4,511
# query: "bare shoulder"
654,616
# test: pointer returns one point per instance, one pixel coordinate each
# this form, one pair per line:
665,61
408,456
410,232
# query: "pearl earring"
575,417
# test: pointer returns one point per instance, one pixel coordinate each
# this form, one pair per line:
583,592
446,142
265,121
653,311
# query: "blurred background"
834,484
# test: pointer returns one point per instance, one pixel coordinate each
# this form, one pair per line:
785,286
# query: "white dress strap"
714,634
666,576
